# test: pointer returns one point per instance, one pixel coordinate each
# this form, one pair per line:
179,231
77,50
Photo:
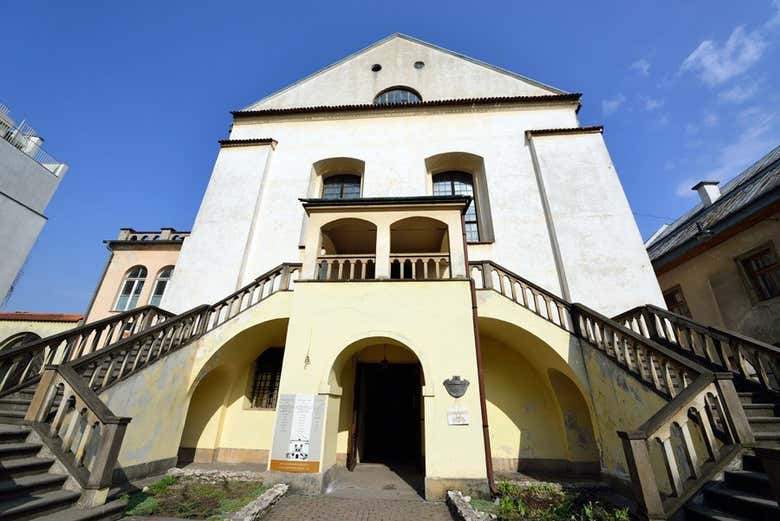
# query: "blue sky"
135,95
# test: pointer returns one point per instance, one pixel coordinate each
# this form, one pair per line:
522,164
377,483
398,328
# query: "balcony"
25,139
408,238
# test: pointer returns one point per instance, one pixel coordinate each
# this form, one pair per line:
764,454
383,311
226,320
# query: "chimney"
709,191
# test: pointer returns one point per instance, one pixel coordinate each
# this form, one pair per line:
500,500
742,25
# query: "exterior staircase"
722,384
31,487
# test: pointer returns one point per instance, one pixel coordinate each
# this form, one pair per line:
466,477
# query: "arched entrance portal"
381,412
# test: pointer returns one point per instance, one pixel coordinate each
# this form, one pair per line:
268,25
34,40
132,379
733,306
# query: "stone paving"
329,508
371,492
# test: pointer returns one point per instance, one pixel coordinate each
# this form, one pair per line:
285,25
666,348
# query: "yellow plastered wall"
331,322
522,413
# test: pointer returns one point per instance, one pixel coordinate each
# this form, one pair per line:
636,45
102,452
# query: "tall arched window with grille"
265,384
131,288
160,284
341,186
460,183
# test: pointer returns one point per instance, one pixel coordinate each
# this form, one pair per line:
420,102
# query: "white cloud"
774,21
756,138
711,119
652,104
642,66
715,63
739,93
611,105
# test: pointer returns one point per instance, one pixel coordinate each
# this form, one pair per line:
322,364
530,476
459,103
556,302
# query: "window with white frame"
460,183
131,288
160,284
341,186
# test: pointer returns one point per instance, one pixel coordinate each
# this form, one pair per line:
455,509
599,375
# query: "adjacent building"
29,176
139,267
719,262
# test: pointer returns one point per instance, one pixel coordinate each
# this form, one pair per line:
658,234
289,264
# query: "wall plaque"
457,416
298,432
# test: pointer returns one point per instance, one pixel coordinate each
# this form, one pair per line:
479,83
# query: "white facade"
28,180
558,211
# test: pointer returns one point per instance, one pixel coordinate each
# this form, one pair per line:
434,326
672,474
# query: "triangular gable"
445,75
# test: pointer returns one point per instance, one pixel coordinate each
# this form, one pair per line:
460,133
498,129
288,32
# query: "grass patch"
193,499
547,502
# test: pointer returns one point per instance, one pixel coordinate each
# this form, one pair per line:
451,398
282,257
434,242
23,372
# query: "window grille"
265,384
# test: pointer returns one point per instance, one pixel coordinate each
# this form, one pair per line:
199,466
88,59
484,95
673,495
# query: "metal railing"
24,138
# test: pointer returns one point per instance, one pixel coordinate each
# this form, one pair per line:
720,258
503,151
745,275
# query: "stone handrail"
108,366
489,275
78,428
346,267
722,350
709,405
660,368
421,266
22,365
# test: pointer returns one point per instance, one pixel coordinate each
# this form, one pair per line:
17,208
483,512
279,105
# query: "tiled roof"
25,316
758,182
547,98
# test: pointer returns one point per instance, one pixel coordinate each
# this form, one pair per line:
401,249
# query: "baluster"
93,377
70,432
329,264
668,379
671,465
547,306
82,445
690,449
107,374
653,366
59,416
501,288
705,421
425,268
109,334
413,264
743,362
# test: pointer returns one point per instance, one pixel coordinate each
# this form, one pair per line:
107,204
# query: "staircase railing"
747,358
489,275
84,434
108,366
708,405
78,383
22,365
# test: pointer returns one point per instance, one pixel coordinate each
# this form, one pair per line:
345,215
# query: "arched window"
19,339
160,284
459,183
341,186
131,288
268,372
397,96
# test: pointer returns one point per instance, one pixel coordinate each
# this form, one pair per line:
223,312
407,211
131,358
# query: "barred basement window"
268,371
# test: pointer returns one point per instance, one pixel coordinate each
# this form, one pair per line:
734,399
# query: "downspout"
480,375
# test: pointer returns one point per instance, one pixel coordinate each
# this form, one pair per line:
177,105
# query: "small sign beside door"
457,416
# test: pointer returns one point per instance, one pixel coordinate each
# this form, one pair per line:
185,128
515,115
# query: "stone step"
767,436
737,502
760,409
748,481
764,424
35,505
20,467
8,416
14,404
18,450
34,483
111,510
13,433
696,512
751,462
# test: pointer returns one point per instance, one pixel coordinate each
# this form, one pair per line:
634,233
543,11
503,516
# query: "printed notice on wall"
298,433
457,416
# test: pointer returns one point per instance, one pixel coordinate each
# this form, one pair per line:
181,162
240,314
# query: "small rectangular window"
675,301
267,374
762,270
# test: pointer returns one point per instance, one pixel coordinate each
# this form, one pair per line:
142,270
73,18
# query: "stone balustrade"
745,357
419,266
84,434
708,410
346,267
22,365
